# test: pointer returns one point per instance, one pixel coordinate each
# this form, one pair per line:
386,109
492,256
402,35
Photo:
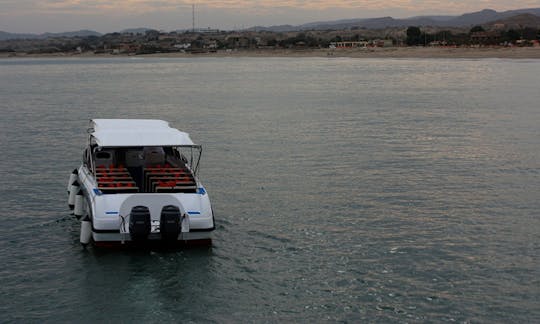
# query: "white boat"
138,183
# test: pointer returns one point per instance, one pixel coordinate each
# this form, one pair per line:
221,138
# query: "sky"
39,16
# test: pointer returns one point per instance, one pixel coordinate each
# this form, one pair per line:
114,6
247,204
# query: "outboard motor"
170,225
139,223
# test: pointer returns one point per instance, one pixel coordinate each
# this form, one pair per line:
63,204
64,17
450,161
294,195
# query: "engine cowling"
139,223
170,223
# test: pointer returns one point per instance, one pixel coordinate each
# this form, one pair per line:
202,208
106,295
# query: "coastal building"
207,31
383,43
362,44
183,46
211,44
348,44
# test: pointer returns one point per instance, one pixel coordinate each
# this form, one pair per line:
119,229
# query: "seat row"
115,179
171,179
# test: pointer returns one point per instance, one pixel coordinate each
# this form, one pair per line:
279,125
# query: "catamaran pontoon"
138,182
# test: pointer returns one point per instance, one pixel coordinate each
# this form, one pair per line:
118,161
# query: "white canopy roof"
137,132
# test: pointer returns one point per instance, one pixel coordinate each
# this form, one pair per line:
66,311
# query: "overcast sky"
38,16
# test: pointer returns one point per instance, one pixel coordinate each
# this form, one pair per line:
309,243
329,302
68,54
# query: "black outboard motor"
170,224
139,223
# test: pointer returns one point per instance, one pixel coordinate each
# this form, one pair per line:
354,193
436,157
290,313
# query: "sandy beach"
419,52
390,52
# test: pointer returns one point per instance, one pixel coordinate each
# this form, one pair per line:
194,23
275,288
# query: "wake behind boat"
138,183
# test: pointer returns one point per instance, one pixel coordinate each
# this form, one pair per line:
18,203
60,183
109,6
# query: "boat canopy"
136,132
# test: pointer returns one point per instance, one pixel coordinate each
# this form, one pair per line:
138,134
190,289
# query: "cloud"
139,6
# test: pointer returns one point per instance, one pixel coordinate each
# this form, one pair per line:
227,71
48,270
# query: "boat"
138,183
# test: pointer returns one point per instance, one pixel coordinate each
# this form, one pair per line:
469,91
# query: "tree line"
476,35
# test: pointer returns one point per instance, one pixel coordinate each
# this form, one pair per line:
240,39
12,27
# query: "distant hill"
139,30
6,36
80,33
519,21
276,29
465,20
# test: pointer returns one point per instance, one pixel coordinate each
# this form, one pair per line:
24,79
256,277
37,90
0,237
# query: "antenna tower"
193,17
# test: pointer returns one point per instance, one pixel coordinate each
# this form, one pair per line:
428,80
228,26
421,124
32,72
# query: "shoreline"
389,52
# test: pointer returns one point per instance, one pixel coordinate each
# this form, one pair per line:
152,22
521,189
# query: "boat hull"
109,213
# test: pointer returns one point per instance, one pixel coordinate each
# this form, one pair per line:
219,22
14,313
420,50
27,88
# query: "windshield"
190,155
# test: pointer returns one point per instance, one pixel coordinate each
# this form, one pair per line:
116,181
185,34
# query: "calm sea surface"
354,190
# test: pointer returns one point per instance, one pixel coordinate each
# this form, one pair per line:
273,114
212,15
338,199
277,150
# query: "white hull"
109,214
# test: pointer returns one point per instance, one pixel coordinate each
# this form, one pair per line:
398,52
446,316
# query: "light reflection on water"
344,189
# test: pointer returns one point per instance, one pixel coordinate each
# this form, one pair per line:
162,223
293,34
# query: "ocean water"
350,190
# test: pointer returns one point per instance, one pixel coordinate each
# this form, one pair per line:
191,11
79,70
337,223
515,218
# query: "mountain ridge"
464,20
79,33
482,17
